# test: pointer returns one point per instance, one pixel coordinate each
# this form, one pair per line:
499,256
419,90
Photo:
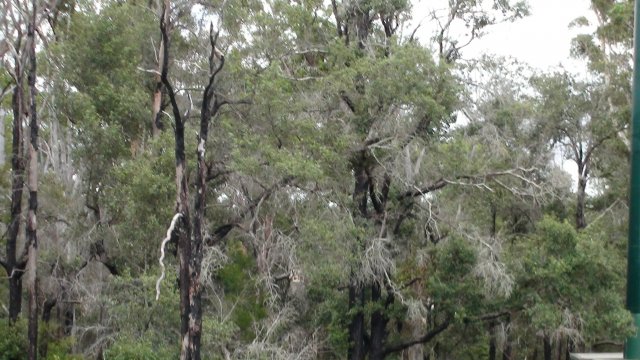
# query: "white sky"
541,39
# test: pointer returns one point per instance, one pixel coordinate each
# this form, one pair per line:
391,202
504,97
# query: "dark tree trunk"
15,264
356,327
507,351
357,299
378,325
183,228
583,173
570,348
15,295
49,304
581,222
547,348
32,182
492,342
207,111
191,244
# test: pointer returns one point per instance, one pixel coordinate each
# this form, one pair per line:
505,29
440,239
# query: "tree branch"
421,340
165,65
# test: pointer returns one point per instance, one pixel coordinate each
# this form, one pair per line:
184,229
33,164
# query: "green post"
632,345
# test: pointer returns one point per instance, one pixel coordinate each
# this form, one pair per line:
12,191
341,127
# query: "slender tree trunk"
581,222
378,325
507,351
156,113
184,239
492,342
190,245
356,327
183,229
547,348
49,304
559,351
15,264
569,349
357,291
32,182
195,265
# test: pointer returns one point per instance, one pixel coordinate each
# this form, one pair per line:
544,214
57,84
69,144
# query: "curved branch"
421,340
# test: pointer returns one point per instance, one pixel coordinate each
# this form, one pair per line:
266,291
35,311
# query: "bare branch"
176,217
421,340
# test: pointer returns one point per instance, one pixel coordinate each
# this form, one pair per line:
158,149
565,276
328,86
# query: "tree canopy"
307,180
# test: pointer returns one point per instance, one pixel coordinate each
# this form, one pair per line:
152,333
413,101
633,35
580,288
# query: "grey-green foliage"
282,163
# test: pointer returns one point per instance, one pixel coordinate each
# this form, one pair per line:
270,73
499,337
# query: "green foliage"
128,348
568,283
239,288
452,284
13,343
140,202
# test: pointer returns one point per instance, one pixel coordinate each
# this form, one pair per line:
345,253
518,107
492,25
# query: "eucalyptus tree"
17,50
389,104
576,116
607,50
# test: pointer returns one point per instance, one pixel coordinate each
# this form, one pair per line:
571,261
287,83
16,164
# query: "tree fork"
190,244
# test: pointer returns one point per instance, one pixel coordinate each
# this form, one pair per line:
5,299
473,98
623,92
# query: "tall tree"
191,232
575,114
32,185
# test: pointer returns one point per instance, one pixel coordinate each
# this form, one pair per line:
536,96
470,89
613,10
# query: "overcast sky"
542,39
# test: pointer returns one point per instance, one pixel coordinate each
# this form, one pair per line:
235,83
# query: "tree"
190,233
577,117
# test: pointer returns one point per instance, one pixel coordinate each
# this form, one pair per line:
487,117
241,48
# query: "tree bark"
49,304
32,182
547,348
191,244
507,350
378,325
356,327
357,291
156,113
183,228
15,264
581,222
492,342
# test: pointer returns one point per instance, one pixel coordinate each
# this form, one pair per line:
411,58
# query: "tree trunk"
195,265
492,342
356,327
547,348
569,349
357,291
49,304
32,182
190,245
15,264
156,113
184,239
581,222
507,351
378,325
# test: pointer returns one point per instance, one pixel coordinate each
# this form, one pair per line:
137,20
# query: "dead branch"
176,217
